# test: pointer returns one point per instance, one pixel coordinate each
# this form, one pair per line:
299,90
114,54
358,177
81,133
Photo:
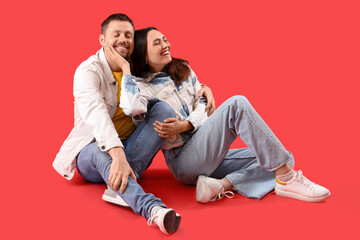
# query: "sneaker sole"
114,201
171,221
301,197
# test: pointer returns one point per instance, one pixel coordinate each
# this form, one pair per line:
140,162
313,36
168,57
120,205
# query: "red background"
296,61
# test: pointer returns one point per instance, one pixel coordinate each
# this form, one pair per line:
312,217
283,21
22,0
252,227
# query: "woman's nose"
164,45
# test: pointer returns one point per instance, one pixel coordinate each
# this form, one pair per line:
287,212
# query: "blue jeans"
140,148
207,150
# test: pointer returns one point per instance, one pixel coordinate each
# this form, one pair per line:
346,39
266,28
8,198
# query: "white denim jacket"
95,92
136,92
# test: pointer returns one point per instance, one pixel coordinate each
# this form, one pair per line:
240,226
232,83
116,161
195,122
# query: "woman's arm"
196,118
171,127
199,115
131,101
134,98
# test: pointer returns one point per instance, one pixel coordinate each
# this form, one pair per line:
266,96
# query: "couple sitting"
122,121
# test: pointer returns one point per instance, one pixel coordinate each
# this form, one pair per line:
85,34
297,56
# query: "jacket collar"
154,75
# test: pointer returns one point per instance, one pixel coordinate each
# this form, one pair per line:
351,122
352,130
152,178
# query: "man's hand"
120,169
115,58
171,127
206,91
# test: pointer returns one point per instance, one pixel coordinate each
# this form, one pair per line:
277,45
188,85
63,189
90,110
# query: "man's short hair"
116,16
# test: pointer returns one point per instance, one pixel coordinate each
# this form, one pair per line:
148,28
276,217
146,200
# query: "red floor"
74,210
296,61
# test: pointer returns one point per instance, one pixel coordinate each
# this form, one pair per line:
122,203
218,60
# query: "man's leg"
144,143
94,166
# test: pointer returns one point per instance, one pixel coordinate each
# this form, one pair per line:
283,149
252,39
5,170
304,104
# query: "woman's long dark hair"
178,69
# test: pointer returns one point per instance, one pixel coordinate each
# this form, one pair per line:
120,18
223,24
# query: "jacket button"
102,147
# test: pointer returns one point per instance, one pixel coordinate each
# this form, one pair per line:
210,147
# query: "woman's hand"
116,58
206,91
171,127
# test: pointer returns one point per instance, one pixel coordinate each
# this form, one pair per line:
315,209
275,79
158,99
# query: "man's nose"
122,38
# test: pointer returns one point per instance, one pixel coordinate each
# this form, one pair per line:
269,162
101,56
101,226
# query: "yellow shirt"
123,123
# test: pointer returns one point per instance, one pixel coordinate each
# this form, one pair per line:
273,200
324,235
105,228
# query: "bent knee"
238,100
186,179
163,109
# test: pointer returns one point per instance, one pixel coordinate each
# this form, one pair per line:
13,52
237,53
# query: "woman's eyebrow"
158,39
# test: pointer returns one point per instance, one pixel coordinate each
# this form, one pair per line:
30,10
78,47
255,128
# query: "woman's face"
158,51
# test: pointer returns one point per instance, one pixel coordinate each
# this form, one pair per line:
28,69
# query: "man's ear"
102,39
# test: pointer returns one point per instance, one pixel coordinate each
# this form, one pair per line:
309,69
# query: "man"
104,144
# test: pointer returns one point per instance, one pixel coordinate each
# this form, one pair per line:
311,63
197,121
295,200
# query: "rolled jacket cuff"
105,145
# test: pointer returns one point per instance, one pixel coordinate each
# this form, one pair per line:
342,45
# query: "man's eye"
116,35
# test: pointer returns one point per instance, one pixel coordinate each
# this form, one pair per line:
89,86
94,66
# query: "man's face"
120,35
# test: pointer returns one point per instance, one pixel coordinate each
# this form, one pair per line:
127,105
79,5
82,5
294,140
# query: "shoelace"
300,177
153,217
221,195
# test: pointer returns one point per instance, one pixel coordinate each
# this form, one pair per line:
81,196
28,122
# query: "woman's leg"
241,168
207,148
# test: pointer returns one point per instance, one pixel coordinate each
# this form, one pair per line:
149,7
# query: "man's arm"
206,91
94,112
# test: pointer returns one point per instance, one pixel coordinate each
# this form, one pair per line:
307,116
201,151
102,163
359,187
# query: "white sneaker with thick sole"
209,189
111,196
301,188
166,218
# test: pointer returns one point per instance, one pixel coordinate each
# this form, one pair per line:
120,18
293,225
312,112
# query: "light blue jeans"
206,152
140,149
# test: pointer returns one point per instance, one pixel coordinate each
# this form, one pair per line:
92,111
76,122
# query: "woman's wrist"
187,125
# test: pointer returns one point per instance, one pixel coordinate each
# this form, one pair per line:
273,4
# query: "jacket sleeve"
93,110
134,97
198,116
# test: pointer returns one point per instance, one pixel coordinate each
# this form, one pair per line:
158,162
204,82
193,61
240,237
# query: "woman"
196,147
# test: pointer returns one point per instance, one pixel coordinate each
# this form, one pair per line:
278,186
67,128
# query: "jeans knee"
239,101
162,110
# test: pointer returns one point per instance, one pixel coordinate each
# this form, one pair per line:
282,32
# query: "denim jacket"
95,92
136,92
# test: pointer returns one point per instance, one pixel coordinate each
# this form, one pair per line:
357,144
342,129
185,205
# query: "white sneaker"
111,196
166,218
209,189
299,187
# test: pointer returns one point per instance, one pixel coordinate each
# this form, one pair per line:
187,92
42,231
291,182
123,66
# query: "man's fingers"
132,174
123,184
211,111
208,106
200,92
116,183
